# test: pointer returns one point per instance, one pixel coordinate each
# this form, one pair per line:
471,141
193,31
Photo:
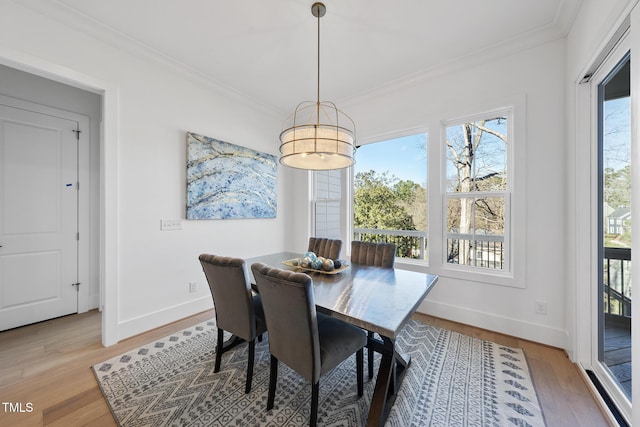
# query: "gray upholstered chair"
308,342
377,255
237,309
328,248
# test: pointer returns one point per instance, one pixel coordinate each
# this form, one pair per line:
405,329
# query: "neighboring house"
619,220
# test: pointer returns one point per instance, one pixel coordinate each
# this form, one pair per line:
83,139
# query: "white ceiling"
266,49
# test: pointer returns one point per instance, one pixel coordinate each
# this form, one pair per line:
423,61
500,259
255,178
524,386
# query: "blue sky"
405,157
617,130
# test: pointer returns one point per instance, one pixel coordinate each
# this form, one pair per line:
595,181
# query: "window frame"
515,222
436,189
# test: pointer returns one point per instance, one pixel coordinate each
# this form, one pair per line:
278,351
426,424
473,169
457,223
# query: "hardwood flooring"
47,366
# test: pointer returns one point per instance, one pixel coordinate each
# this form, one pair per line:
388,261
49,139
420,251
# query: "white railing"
411,244
479,250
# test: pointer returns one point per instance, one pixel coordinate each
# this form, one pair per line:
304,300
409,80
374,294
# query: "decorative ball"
306,262
337,263
327,264
316,264
312,256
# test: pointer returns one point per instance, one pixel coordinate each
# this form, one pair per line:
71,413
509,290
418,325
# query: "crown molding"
566,14
87,25
559,28
525,41
66,15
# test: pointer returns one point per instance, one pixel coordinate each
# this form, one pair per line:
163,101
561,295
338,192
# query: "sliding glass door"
612,346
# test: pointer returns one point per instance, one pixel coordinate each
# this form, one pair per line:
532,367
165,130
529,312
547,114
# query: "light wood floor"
48,365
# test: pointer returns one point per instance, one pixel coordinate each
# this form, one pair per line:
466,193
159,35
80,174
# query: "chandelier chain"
318,94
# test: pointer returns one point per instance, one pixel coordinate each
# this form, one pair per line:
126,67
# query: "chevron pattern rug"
453,380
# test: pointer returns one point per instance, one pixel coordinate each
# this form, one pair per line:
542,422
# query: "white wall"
537,75
157,105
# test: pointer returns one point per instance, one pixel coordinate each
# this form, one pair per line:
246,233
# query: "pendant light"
318,136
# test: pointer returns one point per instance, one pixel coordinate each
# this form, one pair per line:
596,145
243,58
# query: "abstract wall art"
227,181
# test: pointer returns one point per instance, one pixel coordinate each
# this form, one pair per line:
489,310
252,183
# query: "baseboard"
490,321
147,322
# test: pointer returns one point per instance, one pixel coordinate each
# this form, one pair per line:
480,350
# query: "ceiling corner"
566,14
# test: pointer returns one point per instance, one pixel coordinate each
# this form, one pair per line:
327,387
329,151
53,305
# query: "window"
478,218
478,192
390,194
327,204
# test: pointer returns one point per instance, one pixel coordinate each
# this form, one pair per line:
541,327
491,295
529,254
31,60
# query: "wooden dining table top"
377,299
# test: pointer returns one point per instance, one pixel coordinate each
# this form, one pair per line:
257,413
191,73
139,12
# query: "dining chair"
308,342
377,255
374,254
328,248
237,309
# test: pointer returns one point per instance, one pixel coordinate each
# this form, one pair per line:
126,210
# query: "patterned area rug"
453,380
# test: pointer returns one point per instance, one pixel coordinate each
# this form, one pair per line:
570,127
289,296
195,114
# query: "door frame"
583,210
607,380
108,219
635,207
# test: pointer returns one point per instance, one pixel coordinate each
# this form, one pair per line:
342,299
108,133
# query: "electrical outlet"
170,224
541,307
193,287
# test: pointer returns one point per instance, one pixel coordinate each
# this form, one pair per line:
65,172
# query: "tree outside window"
390,195
477,192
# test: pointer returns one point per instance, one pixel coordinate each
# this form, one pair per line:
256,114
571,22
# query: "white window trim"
436,184
515,236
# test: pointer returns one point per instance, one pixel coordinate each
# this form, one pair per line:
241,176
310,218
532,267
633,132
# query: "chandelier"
318,136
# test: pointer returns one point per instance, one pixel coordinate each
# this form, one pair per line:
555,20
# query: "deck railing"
411,244
488,251
617,281
480,250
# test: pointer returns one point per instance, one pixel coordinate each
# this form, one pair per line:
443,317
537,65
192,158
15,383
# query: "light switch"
170,224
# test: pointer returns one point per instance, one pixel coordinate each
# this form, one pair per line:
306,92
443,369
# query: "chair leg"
370,356
315,391
252,352
219,350
273,379
359,367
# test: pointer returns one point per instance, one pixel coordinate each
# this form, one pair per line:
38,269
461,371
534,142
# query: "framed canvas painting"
227,181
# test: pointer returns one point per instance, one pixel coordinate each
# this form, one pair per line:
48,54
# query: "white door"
38,217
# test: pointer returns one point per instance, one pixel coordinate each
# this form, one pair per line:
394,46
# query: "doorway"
611,346
50,168
39,216
104,183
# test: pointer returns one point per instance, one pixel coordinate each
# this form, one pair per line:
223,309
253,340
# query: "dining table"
380,300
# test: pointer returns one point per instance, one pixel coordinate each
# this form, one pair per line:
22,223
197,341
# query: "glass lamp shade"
326,140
